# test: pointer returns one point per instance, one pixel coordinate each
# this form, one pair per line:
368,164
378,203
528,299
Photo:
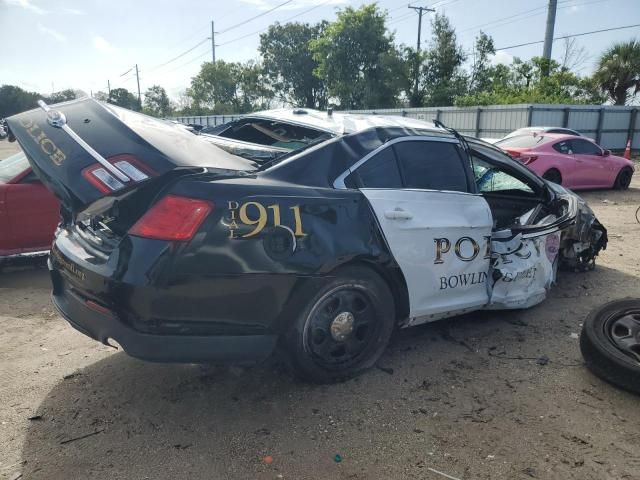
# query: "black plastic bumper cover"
162,348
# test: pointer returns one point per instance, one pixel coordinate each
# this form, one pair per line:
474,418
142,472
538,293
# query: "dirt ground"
467,398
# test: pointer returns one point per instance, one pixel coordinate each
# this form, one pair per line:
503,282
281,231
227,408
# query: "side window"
491,179
584,147
563,147
431,165
380,171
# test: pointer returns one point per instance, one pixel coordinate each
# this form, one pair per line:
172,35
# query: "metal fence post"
529,115
632,125
599,127
565,119
438,112
478,113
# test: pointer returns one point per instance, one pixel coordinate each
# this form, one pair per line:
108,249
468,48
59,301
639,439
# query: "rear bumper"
102,325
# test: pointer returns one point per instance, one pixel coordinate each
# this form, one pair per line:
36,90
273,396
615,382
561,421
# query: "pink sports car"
574,162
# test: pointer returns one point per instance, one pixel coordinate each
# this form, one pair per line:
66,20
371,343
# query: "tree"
618,71
481,69
444,77
101,96
15,100
357,60
573,55
156,102
61,96
289,65
124,98
228,87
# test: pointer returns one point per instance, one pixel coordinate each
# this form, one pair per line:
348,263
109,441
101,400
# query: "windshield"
523,141
12,167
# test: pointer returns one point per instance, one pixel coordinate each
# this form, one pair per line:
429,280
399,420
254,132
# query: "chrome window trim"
339,184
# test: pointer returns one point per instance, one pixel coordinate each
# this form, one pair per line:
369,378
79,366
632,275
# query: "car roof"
341,123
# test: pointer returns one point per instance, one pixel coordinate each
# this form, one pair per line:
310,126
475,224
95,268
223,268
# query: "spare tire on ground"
610,343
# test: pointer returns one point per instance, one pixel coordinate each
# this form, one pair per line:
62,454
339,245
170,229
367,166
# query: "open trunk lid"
85,150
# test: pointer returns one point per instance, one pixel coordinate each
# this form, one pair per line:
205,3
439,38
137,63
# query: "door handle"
398,214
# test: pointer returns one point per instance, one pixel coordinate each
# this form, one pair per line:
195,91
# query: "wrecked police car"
183,248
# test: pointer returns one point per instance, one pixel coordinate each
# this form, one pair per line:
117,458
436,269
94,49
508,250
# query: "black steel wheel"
553,175
623,180
344,327
610,343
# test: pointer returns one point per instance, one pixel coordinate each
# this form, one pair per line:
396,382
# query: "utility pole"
420,11
108,88
138,79
548,36
213,43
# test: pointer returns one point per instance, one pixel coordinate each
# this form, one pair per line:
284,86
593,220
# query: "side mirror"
606,153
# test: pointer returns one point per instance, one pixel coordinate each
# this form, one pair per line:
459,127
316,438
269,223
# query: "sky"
51,45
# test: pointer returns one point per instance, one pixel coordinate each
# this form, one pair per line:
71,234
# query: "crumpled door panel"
522,270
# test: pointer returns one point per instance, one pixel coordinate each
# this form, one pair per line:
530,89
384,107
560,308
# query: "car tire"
344,327
553,175
623,180
610,343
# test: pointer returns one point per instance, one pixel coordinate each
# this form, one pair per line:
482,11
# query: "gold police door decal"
255,214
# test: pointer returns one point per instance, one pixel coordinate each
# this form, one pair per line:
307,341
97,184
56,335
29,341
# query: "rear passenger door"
438,232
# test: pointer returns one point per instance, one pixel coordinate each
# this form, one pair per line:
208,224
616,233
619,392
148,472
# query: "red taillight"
527,159
172,218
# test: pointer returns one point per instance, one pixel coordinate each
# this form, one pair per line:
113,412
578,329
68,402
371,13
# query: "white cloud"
51,33
103,45
502,57
73,11
27,5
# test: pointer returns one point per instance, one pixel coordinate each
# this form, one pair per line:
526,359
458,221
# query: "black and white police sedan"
310,232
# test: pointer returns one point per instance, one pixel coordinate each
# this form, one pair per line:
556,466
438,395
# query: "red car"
574,162
28,211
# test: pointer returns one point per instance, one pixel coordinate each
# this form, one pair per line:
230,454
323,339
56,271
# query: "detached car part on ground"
610,343
181,251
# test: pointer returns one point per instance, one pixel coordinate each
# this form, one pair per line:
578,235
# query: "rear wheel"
610,343
623,180
553,175
344,327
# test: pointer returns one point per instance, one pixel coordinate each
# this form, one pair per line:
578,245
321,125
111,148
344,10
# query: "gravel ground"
467,397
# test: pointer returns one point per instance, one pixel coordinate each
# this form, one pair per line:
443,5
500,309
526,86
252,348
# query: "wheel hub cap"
625,332
342,326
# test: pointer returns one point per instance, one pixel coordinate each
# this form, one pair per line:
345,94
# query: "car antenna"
455,133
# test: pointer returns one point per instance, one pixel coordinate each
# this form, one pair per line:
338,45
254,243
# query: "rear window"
523,141
12,166
273,133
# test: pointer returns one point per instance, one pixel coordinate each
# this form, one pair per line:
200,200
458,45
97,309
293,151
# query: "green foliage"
124,98
228,87
15,100
444,77
524,82
357,60
481,70
289,65
156,102
618,72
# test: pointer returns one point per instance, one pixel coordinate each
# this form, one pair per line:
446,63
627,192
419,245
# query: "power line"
267,28
572,35
254,17
178,56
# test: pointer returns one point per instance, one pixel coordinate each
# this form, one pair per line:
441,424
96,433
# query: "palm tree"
618,71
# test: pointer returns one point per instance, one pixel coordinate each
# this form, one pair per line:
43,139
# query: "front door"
441,241
439,234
